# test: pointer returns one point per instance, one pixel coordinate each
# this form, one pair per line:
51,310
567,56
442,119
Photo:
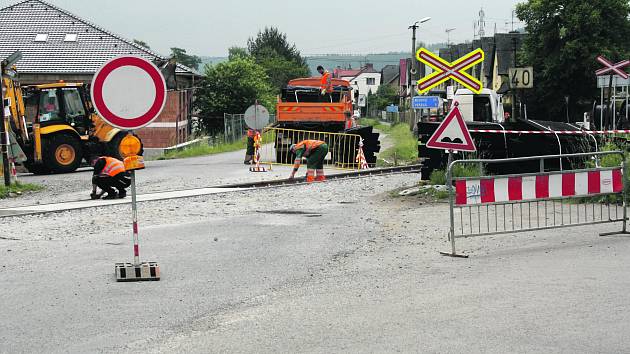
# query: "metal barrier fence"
342,147
491,205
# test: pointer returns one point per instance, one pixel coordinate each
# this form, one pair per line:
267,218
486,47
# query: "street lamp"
413,70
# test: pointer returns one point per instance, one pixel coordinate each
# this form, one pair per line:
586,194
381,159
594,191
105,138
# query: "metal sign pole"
4,132
134,213
601,109
449,180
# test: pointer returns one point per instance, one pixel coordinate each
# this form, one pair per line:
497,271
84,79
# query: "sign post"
257,118
452,135
612,71
129,93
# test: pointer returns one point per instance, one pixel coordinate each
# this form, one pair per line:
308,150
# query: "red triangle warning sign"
452,134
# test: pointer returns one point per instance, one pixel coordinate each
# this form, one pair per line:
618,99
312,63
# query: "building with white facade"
365,80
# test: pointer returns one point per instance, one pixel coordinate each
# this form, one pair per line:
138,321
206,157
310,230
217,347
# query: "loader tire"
62,153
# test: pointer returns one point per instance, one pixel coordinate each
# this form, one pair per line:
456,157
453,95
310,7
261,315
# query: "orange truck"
301,106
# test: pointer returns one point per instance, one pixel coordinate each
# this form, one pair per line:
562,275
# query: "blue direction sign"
391,108
424,102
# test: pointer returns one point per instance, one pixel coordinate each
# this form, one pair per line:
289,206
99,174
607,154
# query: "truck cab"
485,106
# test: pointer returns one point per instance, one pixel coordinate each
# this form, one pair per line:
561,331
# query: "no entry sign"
128,92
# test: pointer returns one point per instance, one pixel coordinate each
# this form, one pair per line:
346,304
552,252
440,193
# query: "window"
482,111
70,37
49,106
371,81
73,103
41,37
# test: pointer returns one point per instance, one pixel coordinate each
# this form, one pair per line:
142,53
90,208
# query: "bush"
438,177
405,147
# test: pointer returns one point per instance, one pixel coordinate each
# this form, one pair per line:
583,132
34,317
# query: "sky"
210,27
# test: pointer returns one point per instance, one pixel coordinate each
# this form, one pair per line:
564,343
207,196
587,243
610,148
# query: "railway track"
345,175
187,193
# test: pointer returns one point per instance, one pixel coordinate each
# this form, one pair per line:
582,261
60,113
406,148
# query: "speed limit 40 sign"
521,78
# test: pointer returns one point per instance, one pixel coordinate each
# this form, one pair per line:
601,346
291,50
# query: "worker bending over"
109,173
315,152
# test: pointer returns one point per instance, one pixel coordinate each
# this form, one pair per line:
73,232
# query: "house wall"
361,82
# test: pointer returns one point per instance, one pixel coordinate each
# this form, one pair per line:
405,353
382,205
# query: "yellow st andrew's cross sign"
445,70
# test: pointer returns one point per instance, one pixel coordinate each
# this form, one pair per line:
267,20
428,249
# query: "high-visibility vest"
326,83
309,145
113,167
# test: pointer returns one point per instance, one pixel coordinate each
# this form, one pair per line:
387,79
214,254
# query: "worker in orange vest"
109,173
249,153
326,81
315,152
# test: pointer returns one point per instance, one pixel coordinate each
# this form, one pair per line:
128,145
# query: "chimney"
369,66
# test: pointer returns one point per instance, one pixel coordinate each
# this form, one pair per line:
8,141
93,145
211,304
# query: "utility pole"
4,134
413,70
514,97
448,36
450,51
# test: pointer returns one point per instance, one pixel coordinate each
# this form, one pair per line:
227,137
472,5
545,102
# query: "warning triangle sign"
452,134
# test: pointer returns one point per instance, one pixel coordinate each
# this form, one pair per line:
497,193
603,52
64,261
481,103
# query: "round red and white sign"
128,92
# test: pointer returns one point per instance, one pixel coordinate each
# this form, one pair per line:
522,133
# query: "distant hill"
331,61
211,61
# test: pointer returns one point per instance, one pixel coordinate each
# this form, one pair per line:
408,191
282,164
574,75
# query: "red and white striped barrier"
560,132
543,186
363,165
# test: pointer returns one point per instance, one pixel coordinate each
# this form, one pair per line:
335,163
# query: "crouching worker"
109,173
315,152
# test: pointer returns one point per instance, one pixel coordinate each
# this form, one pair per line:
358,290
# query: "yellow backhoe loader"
58,128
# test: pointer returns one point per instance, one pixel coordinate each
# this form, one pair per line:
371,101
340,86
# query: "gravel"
342,266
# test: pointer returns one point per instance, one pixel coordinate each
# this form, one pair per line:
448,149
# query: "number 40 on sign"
521,78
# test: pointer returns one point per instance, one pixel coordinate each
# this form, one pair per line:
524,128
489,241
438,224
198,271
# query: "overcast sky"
210,27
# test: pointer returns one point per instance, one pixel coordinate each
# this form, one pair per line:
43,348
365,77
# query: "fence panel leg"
451,197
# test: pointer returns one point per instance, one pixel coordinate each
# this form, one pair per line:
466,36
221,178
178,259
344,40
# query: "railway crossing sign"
452,134
612,69
445,70
128,92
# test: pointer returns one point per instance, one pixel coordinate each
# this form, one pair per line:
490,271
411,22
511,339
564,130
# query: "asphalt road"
334,267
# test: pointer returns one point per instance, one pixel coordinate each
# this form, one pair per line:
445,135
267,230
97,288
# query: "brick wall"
164,135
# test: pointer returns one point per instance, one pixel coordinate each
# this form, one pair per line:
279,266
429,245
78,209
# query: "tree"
231,87
191,61
237,52
141,43
279,69
565,37
272,39
385,96
281,60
